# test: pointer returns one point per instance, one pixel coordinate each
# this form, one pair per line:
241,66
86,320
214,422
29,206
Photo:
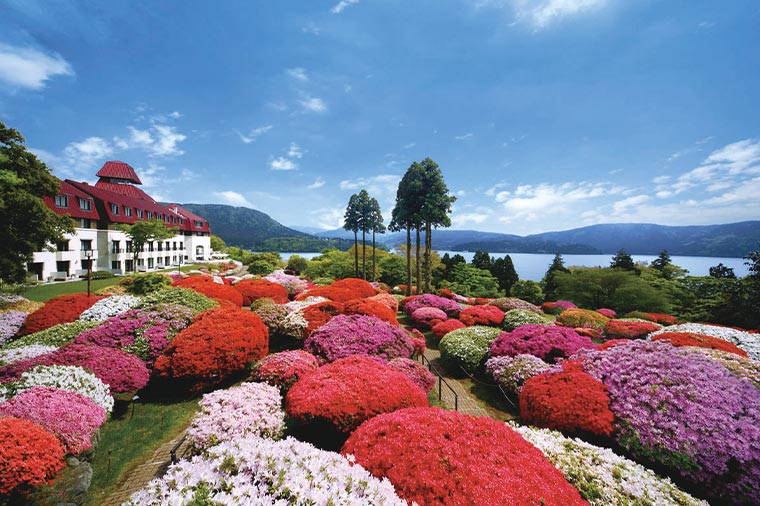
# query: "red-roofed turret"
118,172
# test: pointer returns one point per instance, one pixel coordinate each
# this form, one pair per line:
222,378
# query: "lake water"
533,266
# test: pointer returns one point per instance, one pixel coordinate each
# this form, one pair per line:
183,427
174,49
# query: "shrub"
222,341
415,371
61,309
623,329
347,335
249,409
557,307
294,325
108,307
292,284
210,288
361,287
748,341
609,313
548,343
142,284
388,300
662,319
182,296
266,472
58,335
443,328
349,391
482,315
428,315
518,317
699,340
738,366
602,477
10,324
283,369
271,314
31,456
442,457
509,303
570,401
73,418
66,377
254,289
582,318
317,315
511,373
410,304
10,355
370,307
467,348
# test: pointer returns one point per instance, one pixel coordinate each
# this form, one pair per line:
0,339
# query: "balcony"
66,255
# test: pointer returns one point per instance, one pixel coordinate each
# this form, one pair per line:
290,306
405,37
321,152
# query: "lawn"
47,291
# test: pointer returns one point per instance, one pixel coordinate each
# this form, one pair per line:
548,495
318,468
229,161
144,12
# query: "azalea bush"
56,336
73,418
662,319
10,355
292,284
31,456
346,335
557,307
415,371
249,409
370,307
609,313
626,329
61,309
388,300
686,412
318,314
349,391
438,457
255,471
482,315
294,325
509,303
65,377
222,341
254,289
10,324
548,343
518,317
739,366
467,348
270,313
441,329
283,369
511,373
582,318
342,290
428,316
108,307
18,303
192,299
410,304
747,341
699,340
210,288
602,477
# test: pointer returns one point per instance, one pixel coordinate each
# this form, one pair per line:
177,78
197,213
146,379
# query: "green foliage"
622,260
481,260
504,271
518,317
26,223
467,348
12,288
102,275
526,289
331,264
306,244
183,296
392,269
58,335
142,284
297,263
471,282
217,243
263,263
662,260
721,271
143,232
549,281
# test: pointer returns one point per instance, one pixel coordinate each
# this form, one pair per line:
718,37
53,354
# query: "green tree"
405,214
622,260
753,287
482,260
435,210
297,264
470,281
549,282
264,263
26,223
392,270
526,289
504,271
332,263
662,261
721,271
377,227
143,232
217,243
352,222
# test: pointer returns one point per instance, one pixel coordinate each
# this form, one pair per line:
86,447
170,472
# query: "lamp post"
88,255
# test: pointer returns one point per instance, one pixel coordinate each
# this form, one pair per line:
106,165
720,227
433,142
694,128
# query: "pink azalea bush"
10,324
545,342
430,300
415,371
425,315
283,369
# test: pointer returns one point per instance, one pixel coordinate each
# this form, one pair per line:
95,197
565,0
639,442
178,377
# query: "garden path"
466,401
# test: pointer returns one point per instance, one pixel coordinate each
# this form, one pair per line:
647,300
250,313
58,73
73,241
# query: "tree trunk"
364,255
417,259
356,255
408,260
428,247
374,272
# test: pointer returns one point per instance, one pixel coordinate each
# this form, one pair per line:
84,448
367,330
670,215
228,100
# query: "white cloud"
661,179
282,163
318,183
730,164
298,73
26,67
468,135
166,143
82,156
233,198
542,13
313,104
175,114
382,184
295,151
623,206
328,218
342,5
254,134
461,219
157,140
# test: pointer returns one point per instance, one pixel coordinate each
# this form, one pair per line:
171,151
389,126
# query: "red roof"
124,189
190,219
119,170
73,206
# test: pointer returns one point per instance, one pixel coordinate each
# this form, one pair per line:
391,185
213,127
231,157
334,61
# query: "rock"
70,487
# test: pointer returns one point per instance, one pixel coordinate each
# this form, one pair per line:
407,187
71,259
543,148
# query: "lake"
533,266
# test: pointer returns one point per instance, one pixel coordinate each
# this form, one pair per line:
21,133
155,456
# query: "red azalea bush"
582,318
318,314
557,307
547,342
61,309
624,329
482,315
349,391
211,289
443,328
699,340
253,289
429,316
283,369
370,307
438,457
415,371
389,300
609,313
222,341
612,342
31,456
569,401
360,286
342,290
662,319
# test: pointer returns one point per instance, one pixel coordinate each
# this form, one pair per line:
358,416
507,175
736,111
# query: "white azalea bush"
602,477
66,377
747,341
264,472
108,307
10,355
249,409
294,325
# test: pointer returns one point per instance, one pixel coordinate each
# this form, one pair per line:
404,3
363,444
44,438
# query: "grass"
42,293
128,440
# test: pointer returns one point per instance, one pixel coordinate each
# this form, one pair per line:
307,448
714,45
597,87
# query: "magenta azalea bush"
511,373
283,369
430,300
687,412
73,418
347,335
543,341
415,371
425,315
510,303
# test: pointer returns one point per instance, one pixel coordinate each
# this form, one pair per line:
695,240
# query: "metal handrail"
441,381
173,452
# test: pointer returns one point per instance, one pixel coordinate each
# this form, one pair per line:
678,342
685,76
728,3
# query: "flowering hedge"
182,296
662,319
482,315
738,366
10,355
467,348
518,317
71,417
410,304
342,290
66,377
292,284
438,457
428,316
687,412
211,289
249,409
317,315
294,325
270,313
283,369
370,307
61,309
557,307
570,401
347,335
582,318
349,391
545,342
509,303
359,286
609,313
56,336
415,371
10,324
699,340
441,329
254,289
18,303
261,472
31,456
602,477
626,329
511,373
221,342
748,341
388,300
108,307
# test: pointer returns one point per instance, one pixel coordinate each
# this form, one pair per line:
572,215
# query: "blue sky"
543,114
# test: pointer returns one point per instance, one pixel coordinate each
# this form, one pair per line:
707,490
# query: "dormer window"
115,209
127,211
139,213
198,224
150,215
84,204
61,201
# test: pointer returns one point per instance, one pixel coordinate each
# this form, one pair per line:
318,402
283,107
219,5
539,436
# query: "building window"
150,215
116,265
198,224
150,246
84,204
84,223
62,246
139,213
61,201
115,247
115,209
181,221
86,244
129,246
127,211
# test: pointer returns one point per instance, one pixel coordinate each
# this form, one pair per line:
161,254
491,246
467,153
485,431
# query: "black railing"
173,452
441,381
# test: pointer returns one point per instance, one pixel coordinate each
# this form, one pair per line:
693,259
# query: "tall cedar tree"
403,217
482,260
622,260
351,221
549,283
376,225
143,232
365,218
435,209
504,271
26,223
